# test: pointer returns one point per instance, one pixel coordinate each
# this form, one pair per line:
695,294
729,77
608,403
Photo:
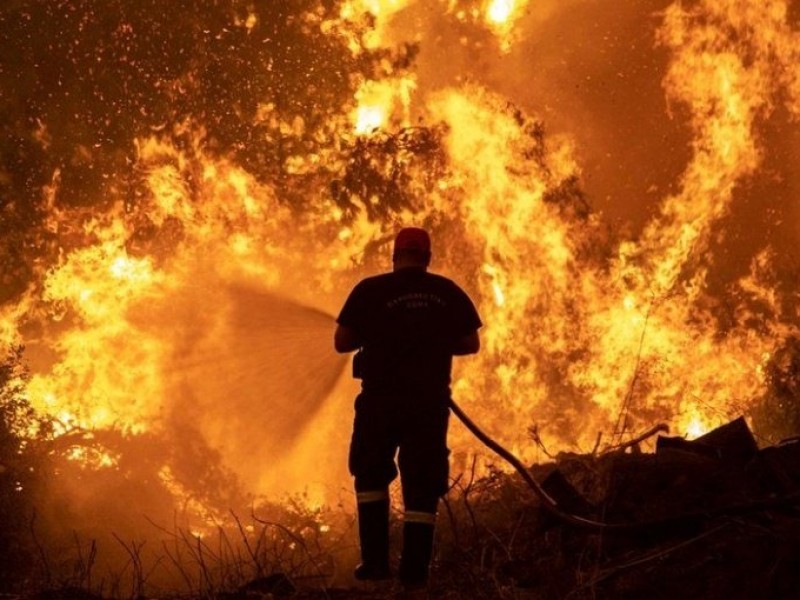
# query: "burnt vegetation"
713,518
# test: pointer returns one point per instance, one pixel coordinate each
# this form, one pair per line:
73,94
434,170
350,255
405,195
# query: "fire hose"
552,506
548,502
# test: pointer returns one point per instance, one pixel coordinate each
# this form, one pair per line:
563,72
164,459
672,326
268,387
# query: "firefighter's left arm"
468,344
346,339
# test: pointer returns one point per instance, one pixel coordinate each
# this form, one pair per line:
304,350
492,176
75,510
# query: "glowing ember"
381,11
501,16
369,118
383,103
695,428
499,11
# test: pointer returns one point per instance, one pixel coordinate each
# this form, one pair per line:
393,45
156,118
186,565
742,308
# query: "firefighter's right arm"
468,344
345,339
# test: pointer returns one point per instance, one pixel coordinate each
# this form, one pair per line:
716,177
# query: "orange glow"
695,428
499,11
501,16
381,10
152,316
381,104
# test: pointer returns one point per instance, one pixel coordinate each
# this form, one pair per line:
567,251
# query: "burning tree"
186,189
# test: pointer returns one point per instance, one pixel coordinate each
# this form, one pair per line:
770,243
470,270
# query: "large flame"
184,308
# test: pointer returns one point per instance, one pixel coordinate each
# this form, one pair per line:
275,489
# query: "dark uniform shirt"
408,321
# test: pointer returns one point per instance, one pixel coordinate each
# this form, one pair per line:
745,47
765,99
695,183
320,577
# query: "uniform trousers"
411,425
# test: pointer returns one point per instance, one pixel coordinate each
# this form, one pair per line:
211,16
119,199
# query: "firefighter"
406,325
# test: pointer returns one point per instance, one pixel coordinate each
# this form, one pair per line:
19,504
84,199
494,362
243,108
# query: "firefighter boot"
417,550
373,532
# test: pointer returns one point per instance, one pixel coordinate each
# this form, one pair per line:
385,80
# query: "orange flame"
577,339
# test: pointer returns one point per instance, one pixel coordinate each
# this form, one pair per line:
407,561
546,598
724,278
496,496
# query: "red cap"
412,238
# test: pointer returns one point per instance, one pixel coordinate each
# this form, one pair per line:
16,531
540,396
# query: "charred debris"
714,517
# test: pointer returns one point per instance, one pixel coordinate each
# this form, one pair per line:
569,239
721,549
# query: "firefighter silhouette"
406,325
